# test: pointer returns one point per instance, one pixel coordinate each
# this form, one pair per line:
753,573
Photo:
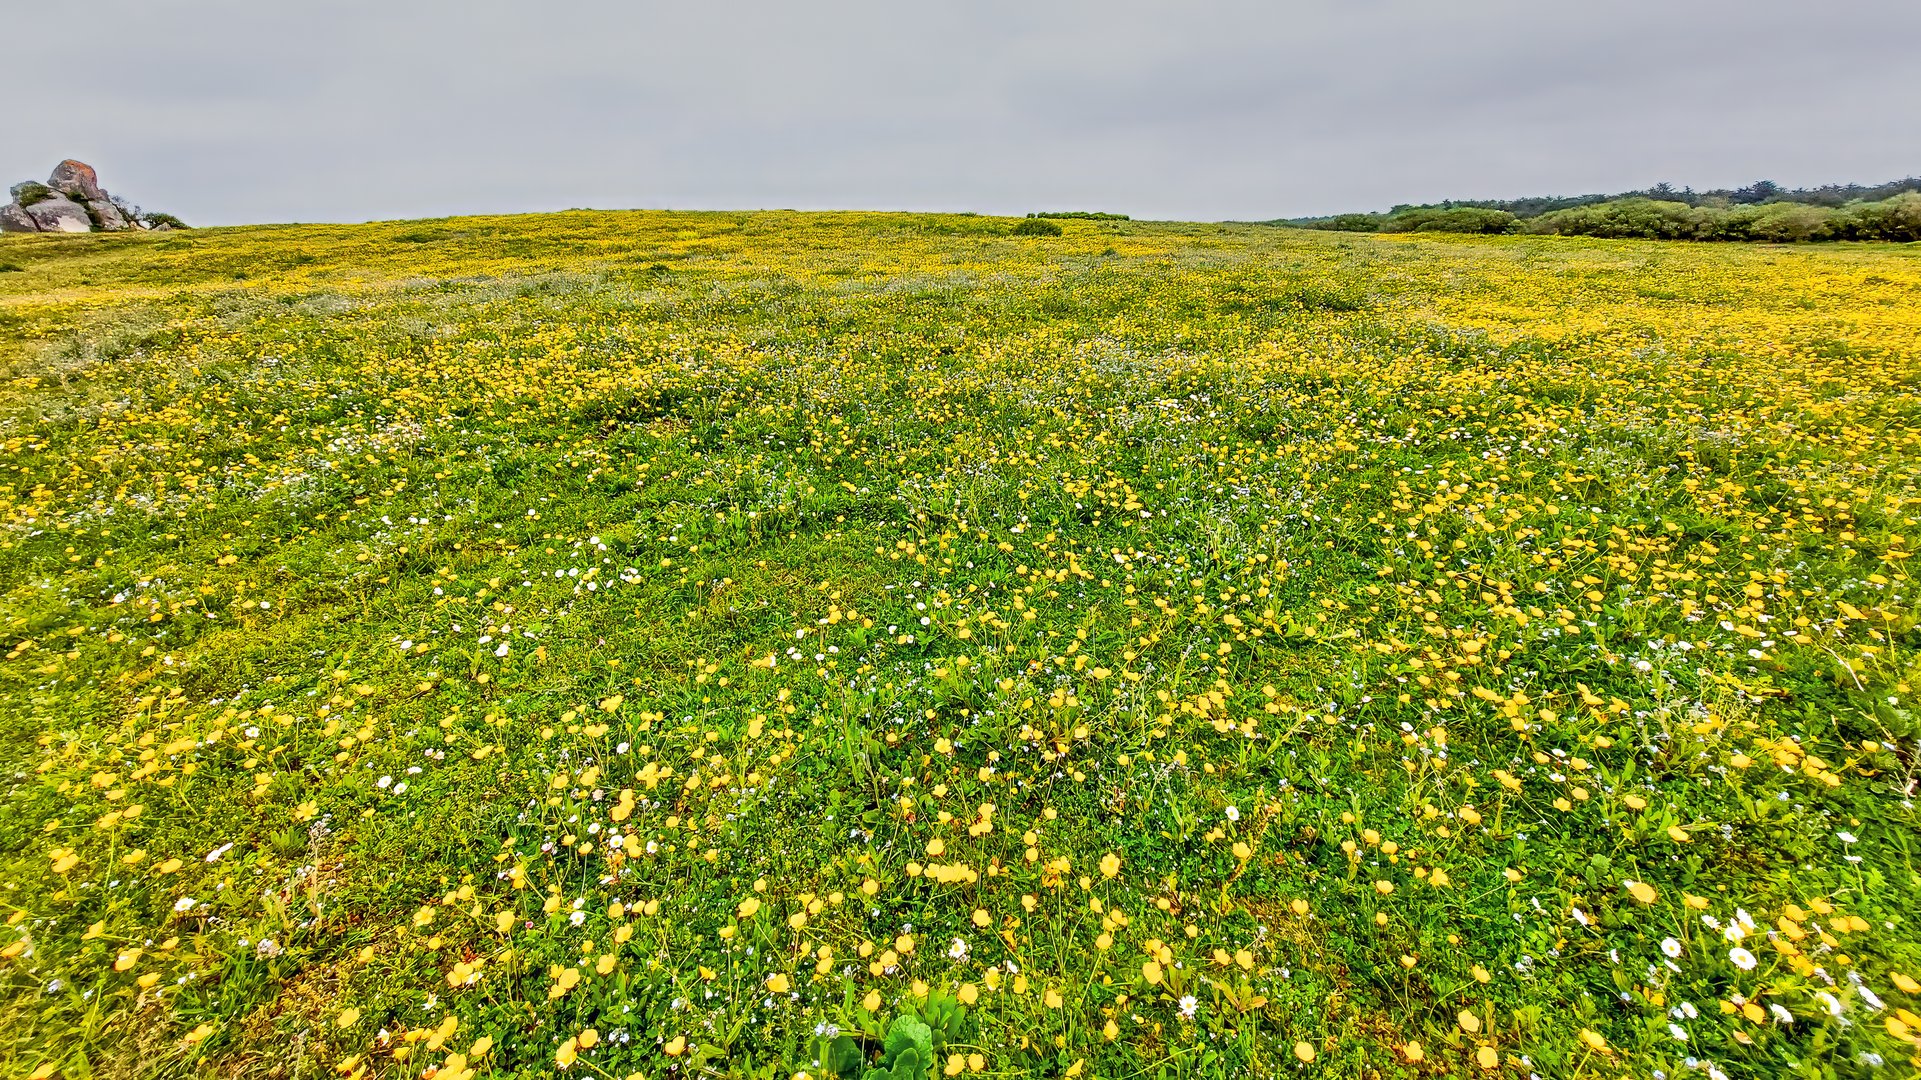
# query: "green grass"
753,644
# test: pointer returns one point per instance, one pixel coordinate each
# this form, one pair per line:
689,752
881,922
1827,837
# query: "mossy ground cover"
667,644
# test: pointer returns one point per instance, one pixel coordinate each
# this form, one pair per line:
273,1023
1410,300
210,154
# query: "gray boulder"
13,218
60,214
77,180
108,216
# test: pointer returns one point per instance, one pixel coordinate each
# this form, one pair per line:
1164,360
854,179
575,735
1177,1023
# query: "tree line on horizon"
1760,212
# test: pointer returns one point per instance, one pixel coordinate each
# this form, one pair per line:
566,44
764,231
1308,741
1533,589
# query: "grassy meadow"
665,645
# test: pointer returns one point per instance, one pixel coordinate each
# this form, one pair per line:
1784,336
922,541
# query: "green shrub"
1035,226
1778,223
1352,223
1652,219
30,192
1897,219
1456,219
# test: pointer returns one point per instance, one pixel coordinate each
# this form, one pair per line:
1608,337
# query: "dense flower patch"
773,644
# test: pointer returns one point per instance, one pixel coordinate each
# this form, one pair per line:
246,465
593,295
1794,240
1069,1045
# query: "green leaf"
841,1056
910,1065
907,1051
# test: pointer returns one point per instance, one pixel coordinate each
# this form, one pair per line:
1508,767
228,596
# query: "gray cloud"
339,110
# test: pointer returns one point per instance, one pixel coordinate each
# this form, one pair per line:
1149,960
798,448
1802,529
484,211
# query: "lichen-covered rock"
77,180
60,214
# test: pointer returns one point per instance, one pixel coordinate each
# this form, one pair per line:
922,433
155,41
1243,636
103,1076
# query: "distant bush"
1081,215
1777,223
1456,219
1352,223
155,219
1762,212
1653,219
1896,219
1035,226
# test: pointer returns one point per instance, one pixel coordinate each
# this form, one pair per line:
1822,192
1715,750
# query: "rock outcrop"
77,180
72,200
13,218
57,213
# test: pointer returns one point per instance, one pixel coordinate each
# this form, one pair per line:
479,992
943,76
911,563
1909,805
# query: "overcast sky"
229,111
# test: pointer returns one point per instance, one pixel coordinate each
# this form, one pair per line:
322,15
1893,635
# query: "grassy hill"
669,644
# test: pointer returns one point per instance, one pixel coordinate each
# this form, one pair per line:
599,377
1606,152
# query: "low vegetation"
859,645
1036,226
1760,213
